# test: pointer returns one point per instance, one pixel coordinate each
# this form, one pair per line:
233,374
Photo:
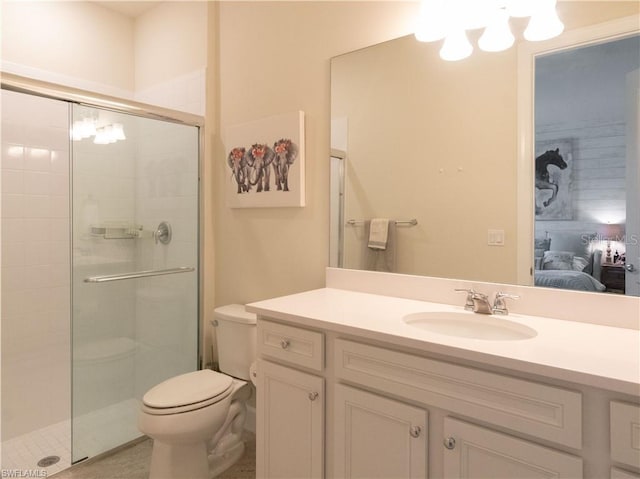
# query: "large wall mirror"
448,152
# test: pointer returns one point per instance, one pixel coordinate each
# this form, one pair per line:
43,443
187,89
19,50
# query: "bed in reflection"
568,261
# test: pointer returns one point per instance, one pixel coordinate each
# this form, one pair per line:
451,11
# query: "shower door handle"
138,274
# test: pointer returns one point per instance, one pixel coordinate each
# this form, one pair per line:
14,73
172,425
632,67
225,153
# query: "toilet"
196,419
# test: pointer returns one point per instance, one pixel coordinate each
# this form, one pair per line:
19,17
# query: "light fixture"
497,36
450,19
544,23
520,8
432,19
456,46
108,134
118,132
610,232
103,135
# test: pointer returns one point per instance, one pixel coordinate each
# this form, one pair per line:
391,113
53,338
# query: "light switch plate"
495,238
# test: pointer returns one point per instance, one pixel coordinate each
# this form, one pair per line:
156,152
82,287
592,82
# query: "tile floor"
116,424
132,462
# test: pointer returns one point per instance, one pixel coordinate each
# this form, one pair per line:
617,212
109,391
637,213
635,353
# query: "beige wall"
274,58
181,49
76,41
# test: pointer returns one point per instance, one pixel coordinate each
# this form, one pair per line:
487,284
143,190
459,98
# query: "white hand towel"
378,233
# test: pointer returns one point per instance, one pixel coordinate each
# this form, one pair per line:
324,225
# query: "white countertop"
589,354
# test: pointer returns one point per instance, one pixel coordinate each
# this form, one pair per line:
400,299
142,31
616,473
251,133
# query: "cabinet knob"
313,396
449,443
415,431
284,343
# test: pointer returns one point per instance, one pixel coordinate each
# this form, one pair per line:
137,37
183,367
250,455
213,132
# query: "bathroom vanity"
355,384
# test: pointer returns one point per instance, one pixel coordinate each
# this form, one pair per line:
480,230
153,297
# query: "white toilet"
196,419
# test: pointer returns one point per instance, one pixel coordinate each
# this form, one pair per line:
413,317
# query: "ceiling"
130,9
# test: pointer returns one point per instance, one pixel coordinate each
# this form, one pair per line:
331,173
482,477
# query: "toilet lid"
187,388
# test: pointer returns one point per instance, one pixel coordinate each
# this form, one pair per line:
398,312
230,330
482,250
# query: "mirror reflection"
584,106
415,137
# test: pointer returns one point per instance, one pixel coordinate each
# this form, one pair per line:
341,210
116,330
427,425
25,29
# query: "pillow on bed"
579,243
558,260
581,264
540,246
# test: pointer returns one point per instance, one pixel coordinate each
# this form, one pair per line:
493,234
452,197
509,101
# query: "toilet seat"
187,392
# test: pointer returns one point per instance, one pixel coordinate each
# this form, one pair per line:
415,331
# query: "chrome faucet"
499,303
479,302
468,305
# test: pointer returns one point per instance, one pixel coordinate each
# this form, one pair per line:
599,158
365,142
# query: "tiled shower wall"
35,264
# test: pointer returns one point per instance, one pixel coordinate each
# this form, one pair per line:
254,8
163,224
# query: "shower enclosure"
100,268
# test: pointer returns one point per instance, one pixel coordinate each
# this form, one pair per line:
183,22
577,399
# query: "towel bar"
411,222
137,274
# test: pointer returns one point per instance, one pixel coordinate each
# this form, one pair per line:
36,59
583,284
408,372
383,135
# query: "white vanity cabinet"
469,450
625,438
377,437
475,452
345,403
290,418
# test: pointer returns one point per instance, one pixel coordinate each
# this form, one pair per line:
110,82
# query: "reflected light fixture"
544,23
109,134
497,35
102,135
450,19
456,46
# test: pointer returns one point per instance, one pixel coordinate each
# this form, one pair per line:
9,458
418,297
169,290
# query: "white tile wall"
35,273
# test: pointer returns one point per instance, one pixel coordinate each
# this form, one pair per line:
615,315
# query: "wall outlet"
495,238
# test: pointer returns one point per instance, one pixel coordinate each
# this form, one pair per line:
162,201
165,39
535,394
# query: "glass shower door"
135,268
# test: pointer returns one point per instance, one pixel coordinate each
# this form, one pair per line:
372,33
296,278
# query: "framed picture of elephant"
264,162
554,179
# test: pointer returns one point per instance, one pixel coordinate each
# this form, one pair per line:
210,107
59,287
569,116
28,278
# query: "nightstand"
613,277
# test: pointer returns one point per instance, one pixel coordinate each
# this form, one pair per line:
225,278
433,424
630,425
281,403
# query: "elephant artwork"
265,161
286,153
238,163
259,157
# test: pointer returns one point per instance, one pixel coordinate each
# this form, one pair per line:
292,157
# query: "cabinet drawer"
542,411
625,433
290,344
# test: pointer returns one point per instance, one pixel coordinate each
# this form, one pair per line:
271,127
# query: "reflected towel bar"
138,274
411,222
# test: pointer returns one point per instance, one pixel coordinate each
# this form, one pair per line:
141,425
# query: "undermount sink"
470,325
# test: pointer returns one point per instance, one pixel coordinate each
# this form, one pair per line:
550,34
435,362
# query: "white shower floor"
23,452
95,433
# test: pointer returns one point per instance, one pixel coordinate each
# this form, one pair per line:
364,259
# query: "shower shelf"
120,231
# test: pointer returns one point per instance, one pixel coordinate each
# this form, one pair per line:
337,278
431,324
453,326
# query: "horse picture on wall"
553,180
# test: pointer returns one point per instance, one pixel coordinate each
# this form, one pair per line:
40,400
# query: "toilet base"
220,463
192,462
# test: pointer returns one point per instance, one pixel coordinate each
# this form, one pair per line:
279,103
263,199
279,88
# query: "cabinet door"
475,452
376,437
289,423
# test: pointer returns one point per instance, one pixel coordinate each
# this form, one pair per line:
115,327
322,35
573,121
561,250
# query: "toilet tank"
235,339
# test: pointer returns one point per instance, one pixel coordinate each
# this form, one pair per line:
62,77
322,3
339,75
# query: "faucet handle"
468,305
499,303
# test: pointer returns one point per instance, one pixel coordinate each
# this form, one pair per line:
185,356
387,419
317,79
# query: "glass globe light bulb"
456,46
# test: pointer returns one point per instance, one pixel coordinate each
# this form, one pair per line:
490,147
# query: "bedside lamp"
611,232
